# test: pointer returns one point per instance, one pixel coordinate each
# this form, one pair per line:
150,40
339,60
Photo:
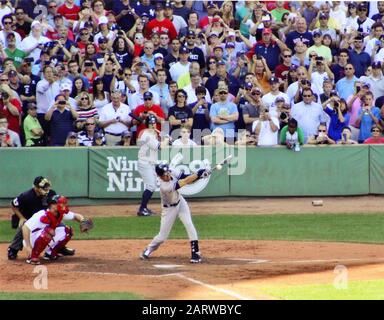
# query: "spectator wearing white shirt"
137,98
190,89
177,21
378,31
184,141
269,98
182,66
7,22
321,74
114,119
35,41
375,80
266,129
308,114
295,89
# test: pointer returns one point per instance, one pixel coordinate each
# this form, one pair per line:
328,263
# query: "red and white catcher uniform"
47,233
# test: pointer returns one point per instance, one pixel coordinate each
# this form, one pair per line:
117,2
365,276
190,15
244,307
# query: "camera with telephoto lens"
62,102
283,115
336,104
4,95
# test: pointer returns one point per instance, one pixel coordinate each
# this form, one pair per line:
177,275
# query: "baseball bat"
135,117
225,161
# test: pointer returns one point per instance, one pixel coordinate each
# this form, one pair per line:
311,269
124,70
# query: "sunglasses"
191,37
127,74
9,22
348,68
287,56
322,130
84,98
3,80
223,92
51,7
89,124
212,62
146,48
147,99
84,34
307,96
375,130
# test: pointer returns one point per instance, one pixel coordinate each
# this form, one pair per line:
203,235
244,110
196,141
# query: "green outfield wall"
111,173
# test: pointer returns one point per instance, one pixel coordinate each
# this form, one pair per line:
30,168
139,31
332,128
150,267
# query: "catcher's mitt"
86,225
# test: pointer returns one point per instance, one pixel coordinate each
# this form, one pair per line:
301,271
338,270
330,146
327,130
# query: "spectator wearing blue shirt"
222,74
270,48
300,34
337,110
368,116
224,114
379,16
144,6
358,57
346,86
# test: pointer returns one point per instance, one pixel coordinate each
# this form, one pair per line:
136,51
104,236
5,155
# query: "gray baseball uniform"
173,206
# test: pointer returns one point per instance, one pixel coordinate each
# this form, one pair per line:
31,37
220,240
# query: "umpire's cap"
151,119
161,169
41,182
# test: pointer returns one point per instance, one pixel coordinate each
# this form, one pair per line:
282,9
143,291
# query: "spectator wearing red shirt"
376,137
147,108
160,24
69,10
54,35
10,107
281,71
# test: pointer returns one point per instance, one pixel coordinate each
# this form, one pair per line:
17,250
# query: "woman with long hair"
227,12
351,21
78,86
98,7
121,49
85,110
327,41
90,51
89,70
100,97
180,114
211,69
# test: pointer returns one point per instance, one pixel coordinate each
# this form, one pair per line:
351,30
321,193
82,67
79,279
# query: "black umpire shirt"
29,202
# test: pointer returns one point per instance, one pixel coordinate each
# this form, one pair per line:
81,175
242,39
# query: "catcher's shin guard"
61,244
42,242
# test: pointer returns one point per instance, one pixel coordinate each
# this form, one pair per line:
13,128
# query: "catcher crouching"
44,230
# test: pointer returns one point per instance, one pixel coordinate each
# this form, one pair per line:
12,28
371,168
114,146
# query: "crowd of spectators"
258,73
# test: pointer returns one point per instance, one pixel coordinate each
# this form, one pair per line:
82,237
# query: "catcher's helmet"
61,201
161,169
151,119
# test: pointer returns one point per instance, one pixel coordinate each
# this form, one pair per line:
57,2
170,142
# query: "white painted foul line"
329,260
214,288
250,261
167,266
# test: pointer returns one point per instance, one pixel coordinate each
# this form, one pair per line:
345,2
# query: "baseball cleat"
144,213
49,257
145,254
67,251
12,254
34,261
150,211
196,257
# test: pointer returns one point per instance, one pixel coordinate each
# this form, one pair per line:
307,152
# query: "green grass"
357,290
69,296
318,227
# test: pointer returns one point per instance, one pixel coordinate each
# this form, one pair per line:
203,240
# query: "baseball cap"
126,133
266,18
221,63
31,105
12,73
36,23
191,33
218,47
248,85
317,34
231,34
183,50
158,55
214,33
72,134
154,32
323,15
351,5
41,182
273,80
10,34
210,5
376,65
358,37
230,45
279,99
147,95
57,16
361,6
267,30
159,6
103,40
293,67
223,88
103,20
367,85
98,135
87,25
168,5
66,86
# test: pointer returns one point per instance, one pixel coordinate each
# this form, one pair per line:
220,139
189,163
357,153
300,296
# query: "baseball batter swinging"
149,144
174,205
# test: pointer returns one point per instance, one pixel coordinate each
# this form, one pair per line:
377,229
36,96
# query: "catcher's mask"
161,169
42,184
61,202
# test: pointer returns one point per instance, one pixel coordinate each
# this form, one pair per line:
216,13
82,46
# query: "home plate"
167,266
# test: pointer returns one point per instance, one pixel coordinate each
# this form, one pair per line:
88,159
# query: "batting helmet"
161,169
151,119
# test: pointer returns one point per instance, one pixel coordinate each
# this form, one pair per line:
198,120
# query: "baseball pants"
60,235
168,217
148,174
17,242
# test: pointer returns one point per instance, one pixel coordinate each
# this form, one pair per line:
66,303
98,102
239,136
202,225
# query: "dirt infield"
231,269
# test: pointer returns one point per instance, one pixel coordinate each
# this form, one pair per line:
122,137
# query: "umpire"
24,206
